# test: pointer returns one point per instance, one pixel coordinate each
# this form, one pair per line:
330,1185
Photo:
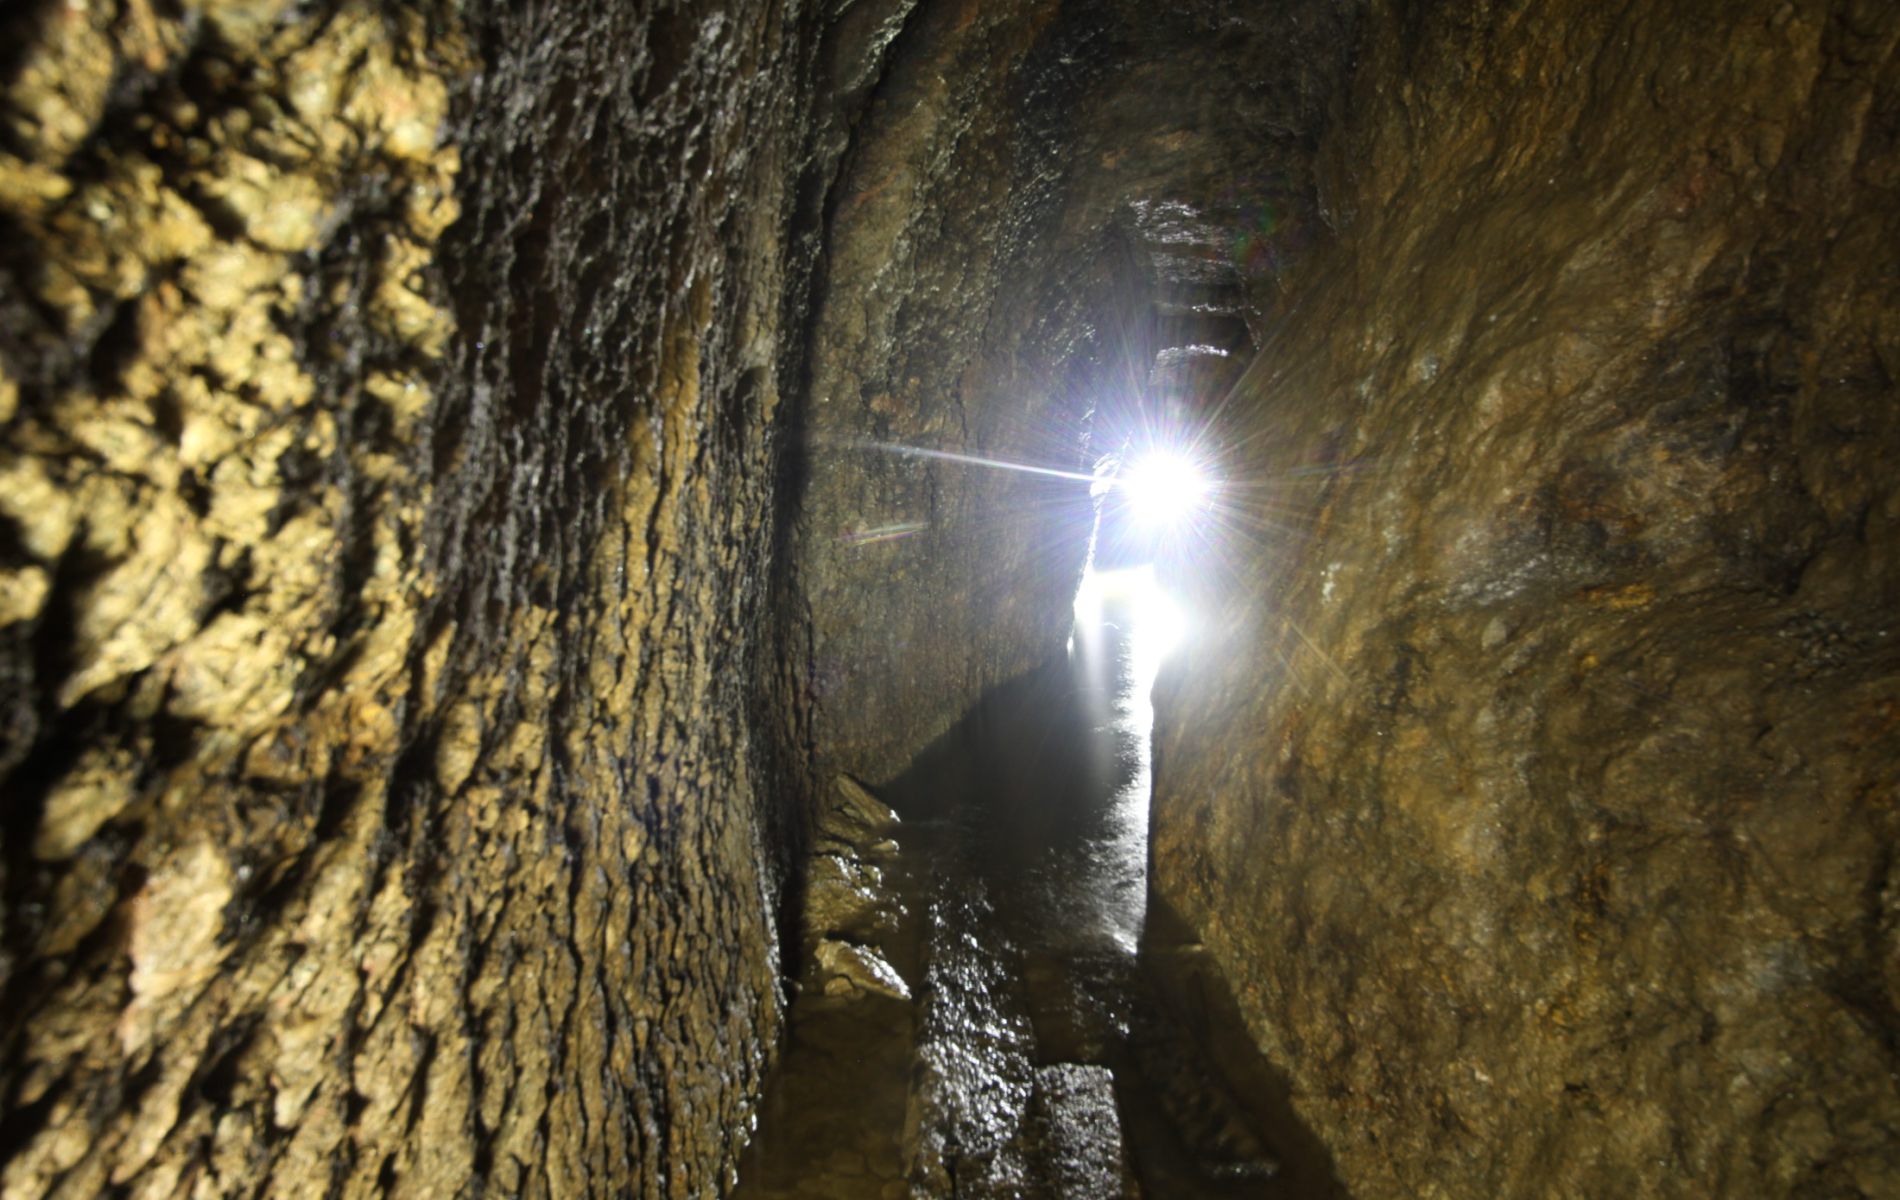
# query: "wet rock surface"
423,660
855,898
1077,1134
1533,780
384,514
1039,1057
831,1121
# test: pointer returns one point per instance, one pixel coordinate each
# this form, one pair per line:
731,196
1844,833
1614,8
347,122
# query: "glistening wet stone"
1038,1059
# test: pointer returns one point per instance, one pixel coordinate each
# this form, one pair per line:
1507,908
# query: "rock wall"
385,507
919,581
1533,774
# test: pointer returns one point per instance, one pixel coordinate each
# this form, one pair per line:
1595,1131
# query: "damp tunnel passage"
576,581
983,1007
987,1012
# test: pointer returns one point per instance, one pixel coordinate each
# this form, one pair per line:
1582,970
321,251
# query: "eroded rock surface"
387,492
416,691
1534,776
855,898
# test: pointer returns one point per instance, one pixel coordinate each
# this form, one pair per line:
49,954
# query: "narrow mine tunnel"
933,598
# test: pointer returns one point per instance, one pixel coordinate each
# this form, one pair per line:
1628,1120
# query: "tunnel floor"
1059,1038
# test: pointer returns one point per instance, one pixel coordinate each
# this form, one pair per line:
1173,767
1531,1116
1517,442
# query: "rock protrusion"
852,970
852,911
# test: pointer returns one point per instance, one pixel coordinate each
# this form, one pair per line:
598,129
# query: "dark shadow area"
1034,763
1199,1003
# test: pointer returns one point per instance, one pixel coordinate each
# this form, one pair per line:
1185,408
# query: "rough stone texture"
1534,772
924,581
853,845
413,688
387,498
1075,1134
831,1116
853,911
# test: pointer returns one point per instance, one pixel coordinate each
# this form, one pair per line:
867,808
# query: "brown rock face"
386,497
926,579
1534,777
472,470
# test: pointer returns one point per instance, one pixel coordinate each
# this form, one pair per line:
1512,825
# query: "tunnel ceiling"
1201,125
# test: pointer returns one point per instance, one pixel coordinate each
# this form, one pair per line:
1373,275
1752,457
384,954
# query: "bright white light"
1163,488
1135,601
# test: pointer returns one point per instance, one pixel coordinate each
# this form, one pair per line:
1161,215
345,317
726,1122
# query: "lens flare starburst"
1164,488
